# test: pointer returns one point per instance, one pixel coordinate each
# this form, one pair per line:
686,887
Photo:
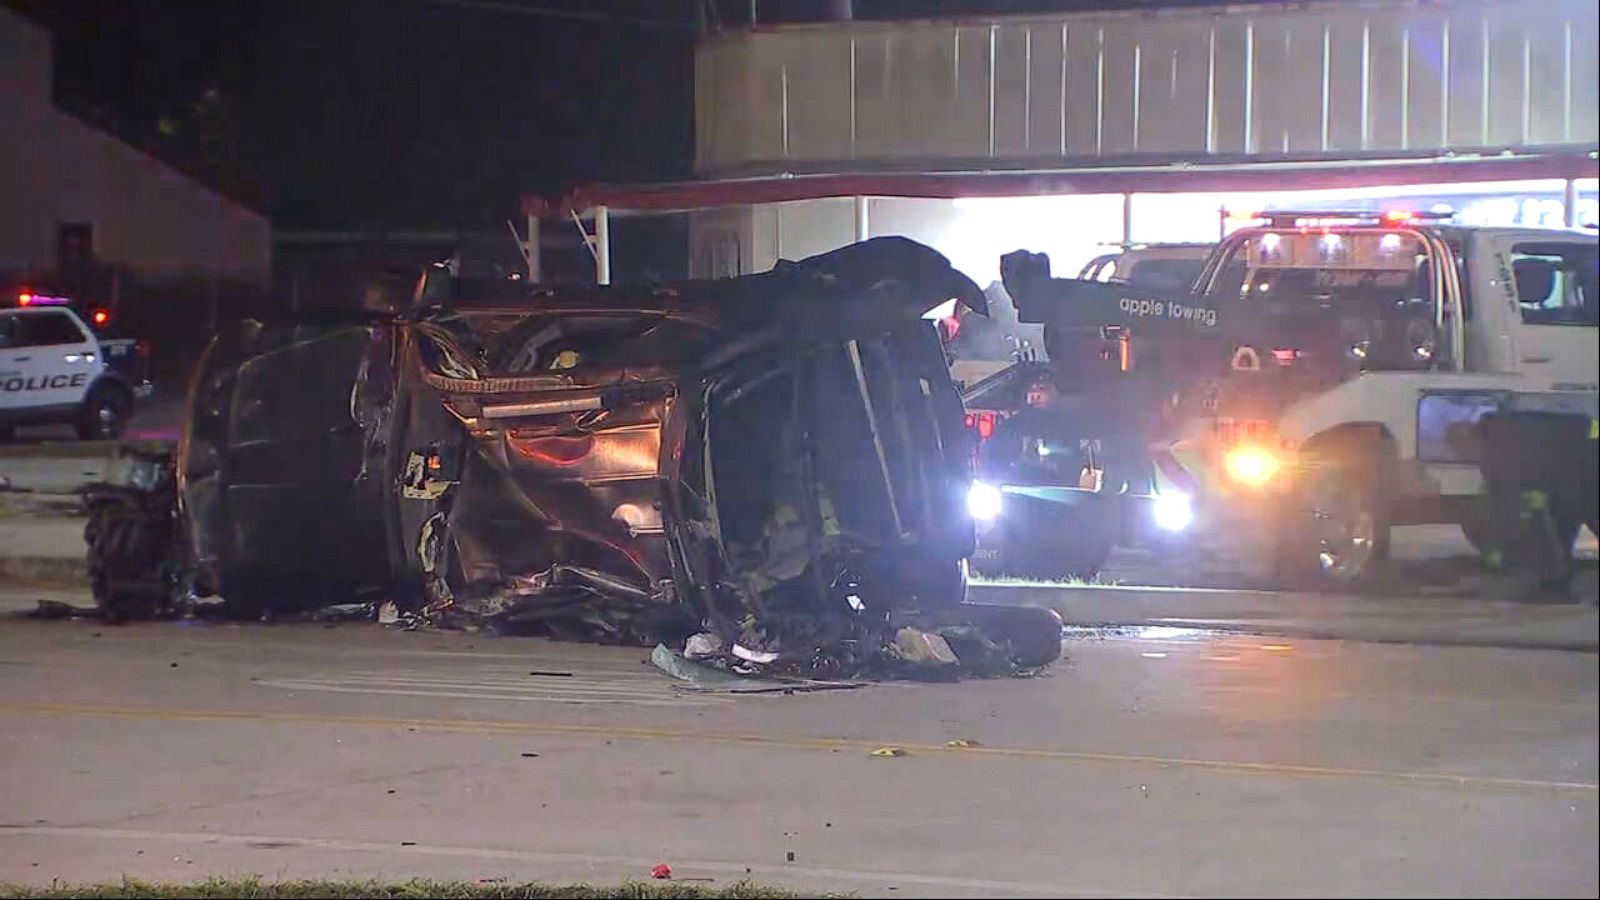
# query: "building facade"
1063,133
71,194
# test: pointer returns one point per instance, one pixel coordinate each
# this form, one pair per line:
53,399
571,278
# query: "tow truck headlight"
983,501
1173,512
1252,466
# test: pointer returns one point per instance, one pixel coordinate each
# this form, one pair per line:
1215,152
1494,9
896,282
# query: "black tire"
122,543
8,433
1340,532
1033,634
105,412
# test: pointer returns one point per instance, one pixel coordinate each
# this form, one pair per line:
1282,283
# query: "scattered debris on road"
345,612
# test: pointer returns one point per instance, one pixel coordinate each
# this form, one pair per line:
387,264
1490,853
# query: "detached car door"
297,492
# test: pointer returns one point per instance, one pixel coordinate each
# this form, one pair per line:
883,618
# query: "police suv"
55,368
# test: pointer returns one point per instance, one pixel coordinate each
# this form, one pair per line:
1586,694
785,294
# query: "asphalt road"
1155,763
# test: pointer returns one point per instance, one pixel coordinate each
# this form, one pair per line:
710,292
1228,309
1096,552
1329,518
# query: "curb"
1572,626
79,449
44,571
40,504
59,450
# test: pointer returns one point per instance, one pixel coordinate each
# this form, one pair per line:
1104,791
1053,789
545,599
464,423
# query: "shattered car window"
550,344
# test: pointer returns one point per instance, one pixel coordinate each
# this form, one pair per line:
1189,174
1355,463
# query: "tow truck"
1321,382
57,365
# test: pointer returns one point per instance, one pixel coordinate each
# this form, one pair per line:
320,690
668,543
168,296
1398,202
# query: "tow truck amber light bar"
1283,218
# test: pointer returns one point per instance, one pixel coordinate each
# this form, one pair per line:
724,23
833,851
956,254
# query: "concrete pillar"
602,245
530,250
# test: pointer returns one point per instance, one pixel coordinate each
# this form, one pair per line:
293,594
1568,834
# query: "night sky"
410,113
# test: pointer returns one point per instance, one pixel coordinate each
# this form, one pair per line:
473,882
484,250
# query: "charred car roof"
880,279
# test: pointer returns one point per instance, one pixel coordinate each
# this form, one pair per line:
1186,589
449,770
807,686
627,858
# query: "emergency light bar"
28,298
1284,218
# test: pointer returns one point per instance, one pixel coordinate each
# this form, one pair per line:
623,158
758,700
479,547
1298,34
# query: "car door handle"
1536,359
22,358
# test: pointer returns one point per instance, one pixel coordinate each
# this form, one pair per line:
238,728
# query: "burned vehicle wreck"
778,461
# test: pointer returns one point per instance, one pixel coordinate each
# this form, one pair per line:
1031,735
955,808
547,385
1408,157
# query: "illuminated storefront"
1068,132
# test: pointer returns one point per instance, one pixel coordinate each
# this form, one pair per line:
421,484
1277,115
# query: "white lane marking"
623,864
503,684
472,695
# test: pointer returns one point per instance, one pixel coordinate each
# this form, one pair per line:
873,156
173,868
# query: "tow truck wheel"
1343,530
104,414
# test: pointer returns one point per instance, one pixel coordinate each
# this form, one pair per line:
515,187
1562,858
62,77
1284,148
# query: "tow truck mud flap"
1541,473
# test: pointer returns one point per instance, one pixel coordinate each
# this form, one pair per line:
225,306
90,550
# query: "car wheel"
122,544
7,434
104,415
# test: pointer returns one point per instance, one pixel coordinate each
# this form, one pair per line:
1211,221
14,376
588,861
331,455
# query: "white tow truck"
55,368
1322,379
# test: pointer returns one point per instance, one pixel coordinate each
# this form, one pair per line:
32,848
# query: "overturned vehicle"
778,461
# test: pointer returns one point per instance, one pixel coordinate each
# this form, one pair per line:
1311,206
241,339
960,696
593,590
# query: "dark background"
417,114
